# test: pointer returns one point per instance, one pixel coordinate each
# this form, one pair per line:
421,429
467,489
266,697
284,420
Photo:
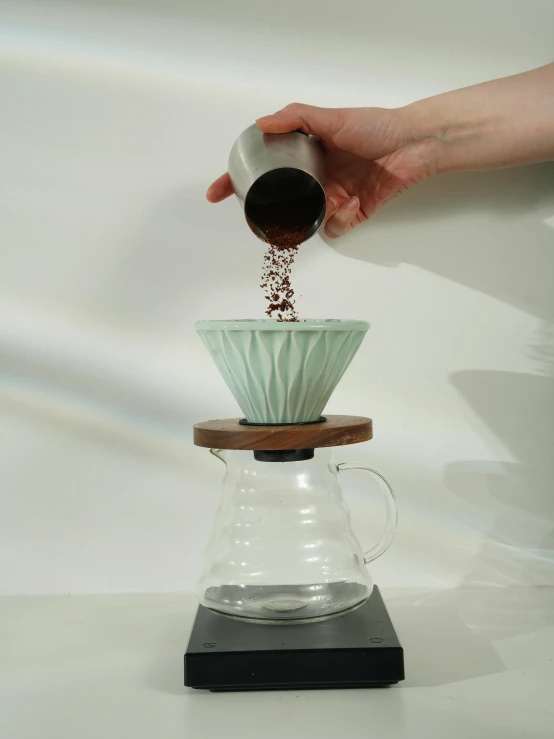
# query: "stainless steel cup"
272,173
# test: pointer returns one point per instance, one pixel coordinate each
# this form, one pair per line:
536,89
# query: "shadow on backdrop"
501,244
514,498
509,256
449,635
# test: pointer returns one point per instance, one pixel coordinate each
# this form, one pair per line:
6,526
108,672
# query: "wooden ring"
335,431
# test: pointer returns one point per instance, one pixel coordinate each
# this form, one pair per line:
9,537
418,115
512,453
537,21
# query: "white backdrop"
114,119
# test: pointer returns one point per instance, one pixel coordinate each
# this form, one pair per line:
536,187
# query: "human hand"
372,155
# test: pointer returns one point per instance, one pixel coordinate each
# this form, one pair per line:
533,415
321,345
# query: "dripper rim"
271,324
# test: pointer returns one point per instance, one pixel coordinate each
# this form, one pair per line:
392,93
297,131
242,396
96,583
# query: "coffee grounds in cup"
284,223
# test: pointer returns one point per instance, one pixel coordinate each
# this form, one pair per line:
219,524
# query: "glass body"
282,548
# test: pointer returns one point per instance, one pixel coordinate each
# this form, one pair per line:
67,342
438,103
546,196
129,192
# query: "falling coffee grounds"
276,273
284,226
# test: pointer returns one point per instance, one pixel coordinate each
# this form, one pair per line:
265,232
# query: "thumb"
323,122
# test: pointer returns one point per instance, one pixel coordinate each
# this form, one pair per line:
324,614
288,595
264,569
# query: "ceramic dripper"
282,372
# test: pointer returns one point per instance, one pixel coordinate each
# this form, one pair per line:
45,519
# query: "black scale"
359,649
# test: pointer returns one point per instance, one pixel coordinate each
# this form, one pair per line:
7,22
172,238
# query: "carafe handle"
391,511
218,453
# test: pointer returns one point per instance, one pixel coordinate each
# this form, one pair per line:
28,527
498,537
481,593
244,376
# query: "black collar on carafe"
283,455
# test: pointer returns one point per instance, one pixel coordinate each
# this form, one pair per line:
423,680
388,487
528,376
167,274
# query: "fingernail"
267,117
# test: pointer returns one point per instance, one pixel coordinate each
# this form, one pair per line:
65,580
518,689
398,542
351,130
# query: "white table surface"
478,664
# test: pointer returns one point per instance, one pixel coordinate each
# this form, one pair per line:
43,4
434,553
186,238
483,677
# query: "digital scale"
358,649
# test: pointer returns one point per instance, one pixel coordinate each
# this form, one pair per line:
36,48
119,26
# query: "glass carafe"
282,548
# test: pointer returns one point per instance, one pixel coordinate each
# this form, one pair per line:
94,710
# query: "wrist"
502,123
452,139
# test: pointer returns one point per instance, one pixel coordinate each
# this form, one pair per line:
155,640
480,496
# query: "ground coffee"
284,225
276,273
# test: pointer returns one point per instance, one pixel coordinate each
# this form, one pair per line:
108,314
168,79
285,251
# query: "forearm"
502,123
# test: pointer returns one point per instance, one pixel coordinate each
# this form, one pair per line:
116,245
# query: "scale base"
359,649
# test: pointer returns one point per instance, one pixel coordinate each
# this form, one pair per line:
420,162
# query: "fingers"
220,189
331,209
341,221
323,122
